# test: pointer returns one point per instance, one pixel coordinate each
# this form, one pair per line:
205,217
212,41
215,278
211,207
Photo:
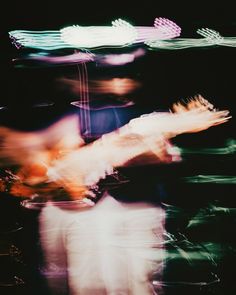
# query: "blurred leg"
53,222
114,248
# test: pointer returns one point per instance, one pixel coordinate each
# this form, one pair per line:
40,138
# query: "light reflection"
120,34
102,60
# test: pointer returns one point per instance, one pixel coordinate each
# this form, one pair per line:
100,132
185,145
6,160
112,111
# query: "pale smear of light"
117,86
121,33
111,248
88,37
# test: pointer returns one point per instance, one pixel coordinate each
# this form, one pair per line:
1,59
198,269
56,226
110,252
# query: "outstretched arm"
149,133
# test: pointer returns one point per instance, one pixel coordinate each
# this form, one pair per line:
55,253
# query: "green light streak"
228,149
219,179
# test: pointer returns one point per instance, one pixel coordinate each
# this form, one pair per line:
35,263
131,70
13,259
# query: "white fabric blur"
112,248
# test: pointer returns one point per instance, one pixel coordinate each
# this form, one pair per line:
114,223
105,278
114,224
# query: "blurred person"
112,246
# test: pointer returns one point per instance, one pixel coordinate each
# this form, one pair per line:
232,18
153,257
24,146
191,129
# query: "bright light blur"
120,34
98,36
116,86
79,57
